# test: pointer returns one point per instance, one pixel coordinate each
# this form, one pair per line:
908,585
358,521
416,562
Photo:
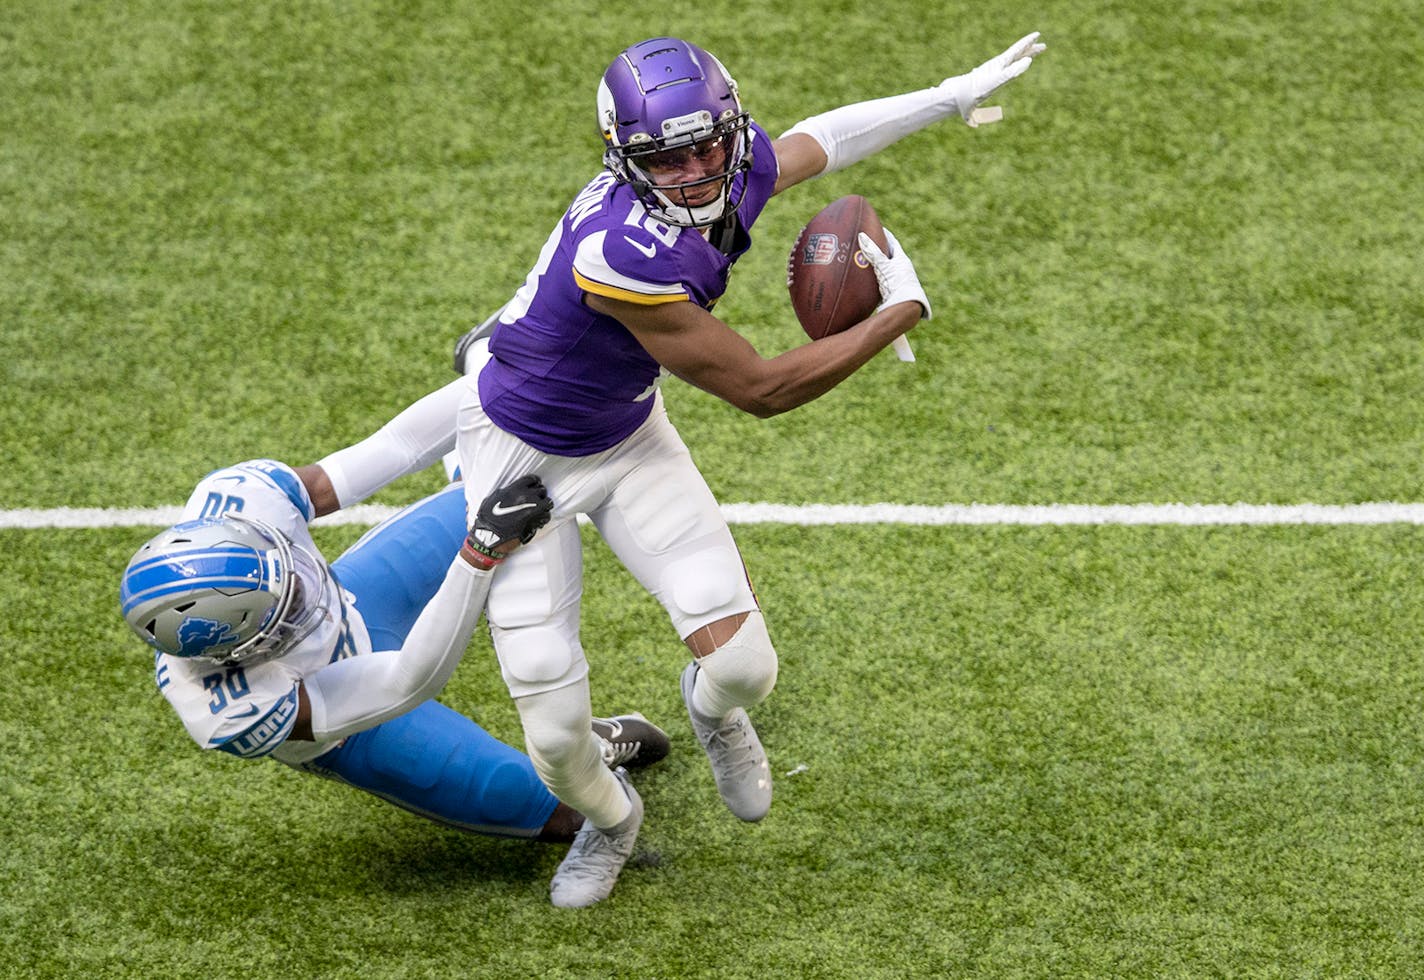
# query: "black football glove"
514,512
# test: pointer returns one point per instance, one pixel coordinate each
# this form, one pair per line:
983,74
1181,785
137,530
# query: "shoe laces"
594,854
617,753
733,746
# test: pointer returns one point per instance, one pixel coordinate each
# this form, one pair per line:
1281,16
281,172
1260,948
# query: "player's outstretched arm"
703,351
408,443
353,695
836,139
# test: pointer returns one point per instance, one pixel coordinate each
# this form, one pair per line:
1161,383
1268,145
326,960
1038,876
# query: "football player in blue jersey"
263,649
620,295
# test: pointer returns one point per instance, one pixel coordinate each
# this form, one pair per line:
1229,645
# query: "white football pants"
650,503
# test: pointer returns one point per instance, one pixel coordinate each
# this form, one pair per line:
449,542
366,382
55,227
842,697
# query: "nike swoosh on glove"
514,512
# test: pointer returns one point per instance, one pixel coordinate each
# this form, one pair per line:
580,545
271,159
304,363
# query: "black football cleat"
631,741
463,345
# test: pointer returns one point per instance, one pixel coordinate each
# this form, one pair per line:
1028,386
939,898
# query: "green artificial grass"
998,752
1184,268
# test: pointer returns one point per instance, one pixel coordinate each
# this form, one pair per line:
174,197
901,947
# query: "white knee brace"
739,673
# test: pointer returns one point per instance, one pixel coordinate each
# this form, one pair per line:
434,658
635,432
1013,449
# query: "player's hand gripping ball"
832,284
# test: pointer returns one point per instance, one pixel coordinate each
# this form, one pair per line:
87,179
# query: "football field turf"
1184,268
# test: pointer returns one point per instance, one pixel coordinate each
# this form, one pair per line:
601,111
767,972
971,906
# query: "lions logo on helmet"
228,589
666,95
197,636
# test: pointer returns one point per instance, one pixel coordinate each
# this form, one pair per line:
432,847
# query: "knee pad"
740,672
534,614
536,659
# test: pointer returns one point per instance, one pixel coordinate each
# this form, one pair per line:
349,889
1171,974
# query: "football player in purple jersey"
620,295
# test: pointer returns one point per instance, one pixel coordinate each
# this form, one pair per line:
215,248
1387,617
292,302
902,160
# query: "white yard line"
810,514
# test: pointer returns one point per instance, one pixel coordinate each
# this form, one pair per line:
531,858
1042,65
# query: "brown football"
832,285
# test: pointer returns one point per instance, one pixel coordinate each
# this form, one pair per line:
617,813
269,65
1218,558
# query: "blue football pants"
431,760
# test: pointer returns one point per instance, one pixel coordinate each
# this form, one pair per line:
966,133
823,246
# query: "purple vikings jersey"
573,382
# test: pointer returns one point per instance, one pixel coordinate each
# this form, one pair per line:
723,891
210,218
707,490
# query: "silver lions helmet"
230,590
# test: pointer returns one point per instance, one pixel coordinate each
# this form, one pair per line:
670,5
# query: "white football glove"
970,89
895,274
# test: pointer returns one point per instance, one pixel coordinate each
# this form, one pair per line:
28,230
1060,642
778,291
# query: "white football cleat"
738,761
590,869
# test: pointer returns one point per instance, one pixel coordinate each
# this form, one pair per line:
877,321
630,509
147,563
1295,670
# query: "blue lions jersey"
573,382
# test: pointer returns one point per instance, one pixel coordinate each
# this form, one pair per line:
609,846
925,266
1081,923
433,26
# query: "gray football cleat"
631,740
738,761
588,872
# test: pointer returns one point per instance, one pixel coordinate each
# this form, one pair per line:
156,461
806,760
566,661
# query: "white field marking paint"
815,514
